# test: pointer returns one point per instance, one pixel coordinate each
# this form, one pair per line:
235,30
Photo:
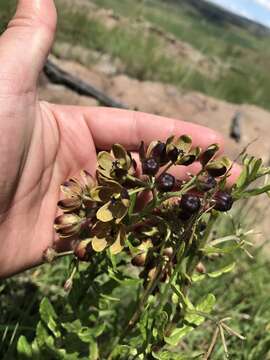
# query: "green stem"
180,254
138,181
135,191
188,186
197,256
169,165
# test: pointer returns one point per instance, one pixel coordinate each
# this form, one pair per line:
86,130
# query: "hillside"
222,17
191,44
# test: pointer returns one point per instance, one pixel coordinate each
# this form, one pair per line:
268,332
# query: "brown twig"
212,345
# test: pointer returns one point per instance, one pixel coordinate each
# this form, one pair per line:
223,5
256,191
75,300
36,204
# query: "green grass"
143,56
243,295
248,81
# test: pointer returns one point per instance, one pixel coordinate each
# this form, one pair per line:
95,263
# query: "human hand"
42,144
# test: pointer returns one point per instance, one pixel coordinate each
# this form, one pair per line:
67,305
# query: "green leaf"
214,274
168,355
24,348
41,334
210,250
122,352
177,334
254,192
222,271
74,326
198,277
49,316
255,168
195,319
207,304
160,325
85,334
242,179
143,324
183,299
93,351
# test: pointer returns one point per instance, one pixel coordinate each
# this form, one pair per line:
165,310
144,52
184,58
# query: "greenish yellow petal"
126,202
98,244
104,214
119,152
105,160
115,187
118,245
184,143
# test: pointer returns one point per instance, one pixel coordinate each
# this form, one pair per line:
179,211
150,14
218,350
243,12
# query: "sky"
258,10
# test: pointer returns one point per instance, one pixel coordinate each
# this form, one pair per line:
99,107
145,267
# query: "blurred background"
204,62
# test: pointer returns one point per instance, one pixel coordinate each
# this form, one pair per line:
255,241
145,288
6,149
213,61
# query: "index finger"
109,126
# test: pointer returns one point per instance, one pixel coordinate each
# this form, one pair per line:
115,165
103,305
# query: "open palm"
42,144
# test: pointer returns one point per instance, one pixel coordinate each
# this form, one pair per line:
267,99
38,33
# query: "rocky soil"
167,100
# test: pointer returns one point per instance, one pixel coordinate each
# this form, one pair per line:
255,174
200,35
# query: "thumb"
25,45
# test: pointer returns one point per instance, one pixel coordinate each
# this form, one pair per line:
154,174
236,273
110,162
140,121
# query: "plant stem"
65,253
150,288
169,165
196,256
135,191
180,253
188,186
140,182
212,345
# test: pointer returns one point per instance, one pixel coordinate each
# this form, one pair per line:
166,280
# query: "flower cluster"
101,214
94,209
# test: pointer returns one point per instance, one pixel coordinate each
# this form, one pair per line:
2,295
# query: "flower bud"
71,188
70,204
83,250
166,182
200,268
150,166
224,201
190,203
139,260
67,225
168,252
